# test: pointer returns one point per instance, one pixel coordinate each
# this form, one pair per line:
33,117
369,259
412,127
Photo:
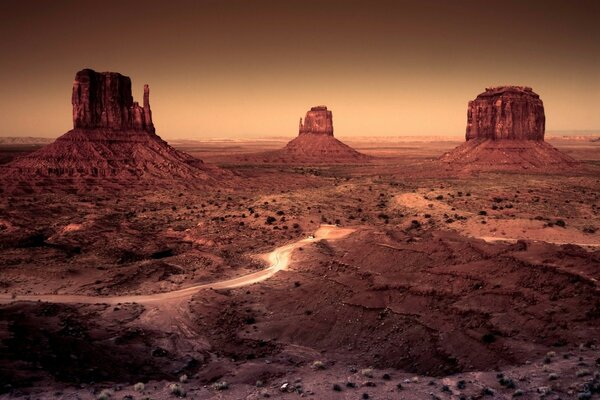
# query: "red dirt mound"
488,154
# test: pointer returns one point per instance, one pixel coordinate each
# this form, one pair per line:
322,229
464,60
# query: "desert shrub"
270,220
561,223
177,390
139,387
367,372
488,338
105,394
221,385
337,387
582,372
318,365
482,212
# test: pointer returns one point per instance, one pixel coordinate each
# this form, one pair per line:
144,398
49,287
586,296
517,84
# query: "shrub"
561,223
337,387
270,220
139,387
488,338
318,365
482,212
367,372
177,390
105,394
221,385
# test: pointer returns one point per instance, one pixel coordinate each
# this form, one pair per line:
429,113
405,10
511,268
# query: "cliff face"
506,112
318,120
103,100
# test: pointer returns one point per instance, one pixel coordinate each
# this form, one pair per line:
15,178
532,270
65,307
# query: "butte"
315,143
505,131
113,140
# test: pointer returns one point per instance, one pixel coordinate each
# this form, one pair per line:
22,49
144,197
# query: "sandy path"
278,260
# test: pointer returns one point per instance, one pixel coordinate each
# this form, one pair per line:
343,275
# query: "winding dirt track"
278,260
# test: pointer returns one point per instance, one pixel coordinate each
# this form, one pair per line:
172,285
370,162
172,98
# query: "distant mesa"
112,137
315,142
505,131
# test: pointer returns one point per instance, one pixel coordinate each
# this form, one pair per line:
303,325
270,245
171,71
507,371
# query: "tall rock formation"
319,120
506,112
315,143
104,100
505,131
113,137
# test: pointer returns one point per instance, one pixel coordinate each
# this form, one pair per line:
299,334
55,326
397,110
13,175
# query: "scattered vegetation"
105,394
139,387
220,385
367,372
177,390
318,365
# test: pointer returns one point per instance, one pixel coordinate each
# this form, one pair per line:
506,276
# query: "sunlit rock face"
506,112
318,120
104,100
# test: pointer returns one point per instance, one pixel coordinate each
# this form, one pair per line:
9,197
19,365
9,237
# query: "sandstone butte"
315,142
112,137
505,131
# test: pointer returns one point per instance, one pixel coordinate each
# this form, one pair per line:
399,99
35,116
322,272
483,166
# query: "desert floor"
393,278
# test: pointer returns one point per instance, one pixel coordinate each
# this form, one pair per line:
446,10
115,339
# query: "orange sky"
251,68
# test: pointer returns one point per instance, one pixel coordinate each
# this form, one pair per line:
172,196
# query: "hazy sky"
252,67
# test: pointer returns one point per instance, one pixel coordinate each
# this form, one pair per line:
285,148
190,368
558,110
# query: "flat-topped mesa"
506,112
318,120
103,100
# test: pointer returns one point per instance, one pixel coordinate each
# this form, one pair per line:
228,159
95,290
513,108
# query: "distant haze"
251,68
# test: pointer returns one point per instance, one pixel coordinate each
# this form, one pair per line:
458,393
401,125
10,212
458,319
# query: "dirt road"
278,260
